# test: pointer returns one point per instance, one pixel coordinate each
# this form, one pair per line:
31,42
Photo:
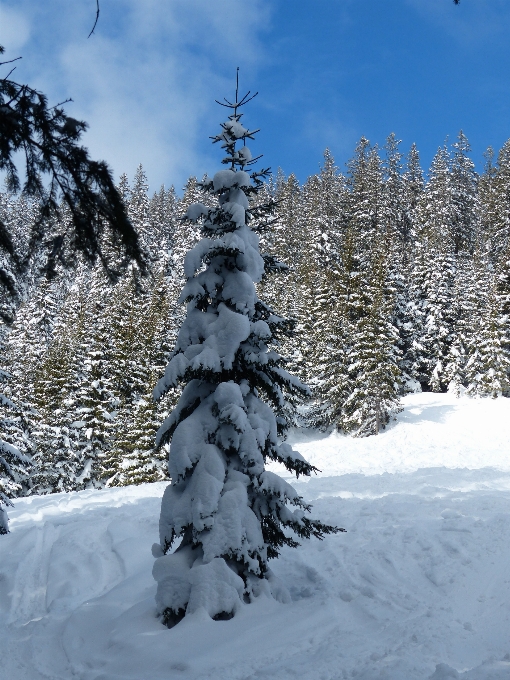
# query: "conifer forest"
396,280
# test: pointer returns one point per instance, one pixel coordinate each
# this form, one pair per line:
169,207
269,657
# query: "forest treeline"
396,282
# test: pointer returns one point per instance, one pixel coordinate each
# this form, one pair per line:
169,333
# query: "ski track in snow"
418,588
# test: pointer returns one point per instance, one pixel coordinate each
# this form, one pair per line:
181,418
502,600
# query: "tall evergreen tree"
434,275
337,309
464,198
229,511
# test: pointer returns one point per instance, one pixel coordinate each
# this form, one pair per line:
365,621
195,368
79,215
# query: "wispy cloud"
147,80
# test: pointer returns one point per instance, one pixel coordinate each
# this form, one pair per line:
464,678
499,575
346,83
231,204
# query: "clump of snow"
196,211
235,128
417,588
223,179
244,154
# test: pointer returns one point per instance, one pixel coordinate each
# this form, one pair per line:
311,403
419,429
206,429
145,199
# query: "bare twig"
97,19
10,61
66,101
7,76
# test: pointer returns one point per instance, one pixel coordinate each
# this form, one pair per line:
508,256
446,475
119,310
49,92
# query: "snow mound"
418,587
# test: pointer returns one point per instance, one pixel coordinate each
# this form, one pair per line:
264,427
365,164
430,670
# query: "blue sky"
328,72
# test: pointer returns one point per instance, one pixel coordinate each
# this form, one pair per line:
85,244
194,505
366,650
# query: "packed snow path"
419,587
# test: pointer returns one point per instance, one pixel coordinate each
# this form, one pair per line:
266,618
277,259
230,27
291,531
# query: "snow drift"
418,588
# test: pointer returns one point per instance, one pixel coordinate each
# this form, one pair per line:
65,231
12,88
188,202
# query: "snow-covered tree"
373,357
463,327
231,514
464,197
338,303
488,365
14,463
139,335
434,275
494,191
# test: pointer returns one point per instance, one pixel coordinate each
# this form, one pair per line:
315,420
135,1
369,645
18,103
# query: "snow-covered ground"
418,588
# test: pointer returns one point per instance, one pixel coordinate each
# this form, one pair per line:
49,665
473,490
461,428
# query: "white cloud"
147,80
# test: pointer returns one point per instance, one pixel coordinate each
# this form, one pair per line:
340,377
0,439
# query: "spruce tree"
139,335
321,273
494,189
463,310
394,211
464,197
337,308
399,202
488,365
373,357
231,513
14,462
48,377
434,275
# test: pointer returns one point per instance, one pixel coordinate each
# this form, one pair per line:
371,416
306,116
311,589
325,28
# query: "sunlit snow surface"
419,587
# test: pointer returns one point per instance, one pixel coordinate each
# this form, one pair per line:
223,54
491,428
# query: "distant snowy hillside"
434,430
418,589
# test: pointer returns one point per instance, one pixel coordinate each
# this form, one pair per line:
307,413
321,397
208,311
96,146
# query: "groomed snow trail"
419,587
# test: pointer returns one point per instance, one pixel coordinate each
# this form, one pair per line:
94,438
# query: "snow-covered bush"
230,514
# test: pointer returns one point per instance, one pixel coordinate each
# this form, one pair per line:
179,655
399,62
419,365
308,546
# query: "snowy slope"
419,587
434,430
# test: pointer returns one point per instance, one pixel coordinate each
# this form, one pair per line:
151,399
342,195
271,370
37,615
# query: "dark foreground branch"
59,171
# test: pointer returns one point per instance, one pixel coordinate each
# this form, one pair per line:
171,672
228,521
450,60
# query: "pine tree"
413,185
18,216
96,398
17,418
45,371
434,275
502,287
282,243
495,202
400,193
229,511
75,391
338,307
163,213
366,209
14,463
325,214
463,307
139,212
373,357
487,368
464,198
139,335
397,227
